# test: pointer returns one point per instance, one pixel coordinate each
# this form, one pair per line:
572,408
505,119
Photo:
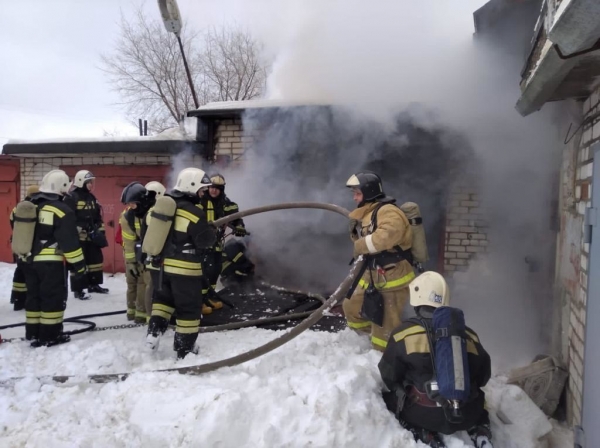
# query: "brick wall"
466,235
34,168
232,140
575,284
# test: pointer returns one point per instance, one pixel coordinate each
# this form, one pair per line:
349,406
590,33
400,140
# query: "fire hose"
310,320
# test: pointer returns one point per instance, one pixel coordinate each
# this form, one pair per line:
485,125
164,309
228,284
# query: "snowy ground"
319,390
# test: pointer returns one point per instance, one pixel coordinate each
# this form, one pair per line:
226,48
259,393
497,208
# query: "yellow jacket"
130,236
393,229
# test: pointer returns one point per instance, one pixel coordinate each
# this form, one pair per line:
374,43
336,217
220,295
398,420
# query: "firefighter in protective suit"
159,191
55,240
179,289
406,367
18,294
138,201
380,231
217,205
91,233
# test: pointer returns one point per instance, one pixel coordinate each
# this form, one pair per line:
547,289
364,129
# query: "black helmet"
369,185
134,192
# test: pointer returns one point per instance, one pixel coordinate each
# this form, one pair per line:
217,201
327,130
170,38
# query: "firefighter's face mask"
357,195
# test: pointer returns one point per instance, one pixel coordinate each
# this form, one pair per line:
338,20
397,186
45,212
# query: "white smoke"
374,60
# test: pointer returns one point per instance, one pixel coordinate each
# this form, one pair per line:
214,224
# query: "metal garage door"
9,196
110,181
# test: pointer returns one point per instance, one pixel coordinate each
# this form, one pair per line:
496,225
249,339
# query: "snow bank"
319,390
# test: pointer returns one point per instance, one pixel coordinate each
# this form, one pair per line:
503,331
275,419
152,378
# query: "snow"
320,390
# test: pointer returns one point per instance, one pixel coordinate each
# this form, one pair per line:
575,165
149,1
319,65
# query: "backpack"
417,253
451,384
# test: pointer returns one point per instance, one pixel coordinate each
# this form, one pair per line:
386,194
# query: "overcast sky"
50,83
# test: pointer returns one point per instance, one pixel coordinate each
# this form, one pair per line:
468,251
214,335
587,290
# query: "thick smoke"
419,99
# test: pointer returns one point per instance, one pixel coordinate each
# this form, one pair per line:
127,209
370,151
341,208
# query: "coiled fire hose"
339,294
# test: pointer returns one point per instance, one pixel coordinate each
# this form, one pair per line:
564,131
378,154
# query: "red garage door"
9,196
110,181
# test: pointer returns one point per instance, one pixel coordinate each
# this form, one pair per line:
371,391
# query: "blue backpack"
451,385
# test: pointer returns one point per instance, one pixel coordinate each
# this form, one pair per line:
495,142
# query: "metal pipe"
187,71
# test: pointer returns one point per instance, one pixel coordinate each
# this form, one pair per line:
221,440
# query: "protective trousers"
211,266
46,300
394,302
149,291
93,259
136,296
180,295
18,294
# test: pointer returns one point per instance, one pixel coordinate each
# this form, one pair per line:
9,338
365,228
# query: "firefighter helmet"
218,182
55,182
134,192
82,177
157,187
429,289
369,185
190,180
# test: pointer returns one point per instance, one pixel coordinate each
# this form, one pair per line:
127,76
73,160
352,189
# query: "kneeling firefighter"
381,232
138,201
434,368
177,236
45,235
18,294
237,267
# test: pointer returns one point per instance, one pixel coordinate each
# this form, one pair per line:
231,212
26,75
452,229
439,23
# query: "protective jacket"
219,208
88,212
391,235
190,237
56,234
131,230
406,365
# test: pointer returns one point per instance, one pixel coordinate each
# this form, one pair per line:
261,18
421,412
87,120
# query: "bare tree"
147,70
230,61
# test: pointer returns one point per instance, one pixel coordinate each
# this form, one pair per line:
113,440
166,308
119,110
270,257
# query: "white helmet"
55,182
429,289
190,180
156,187
82,177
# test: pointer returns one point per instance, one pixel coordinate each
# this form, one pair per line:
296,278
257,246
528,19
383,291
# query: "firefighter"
217,205
55,240
159,190
178,283
407,367
381,232
237,266
91,233
138,201
18,294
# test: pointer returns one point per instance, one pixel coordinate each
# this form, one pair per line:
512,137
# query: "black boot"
61,339
19,305
427,437
98,289
82,295
184,343
481,436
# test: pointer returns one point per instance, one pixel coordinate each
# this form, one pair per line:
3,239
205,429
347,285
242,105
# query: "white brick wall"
466,235
231,140
582,177
34,168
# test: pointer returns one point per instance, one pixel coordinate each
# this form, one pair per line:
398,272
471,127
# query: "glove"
240,231
353,227
133,270
78,275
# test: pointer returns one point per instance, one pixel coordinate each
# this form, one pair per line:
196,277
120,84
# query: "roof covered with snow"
231,108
